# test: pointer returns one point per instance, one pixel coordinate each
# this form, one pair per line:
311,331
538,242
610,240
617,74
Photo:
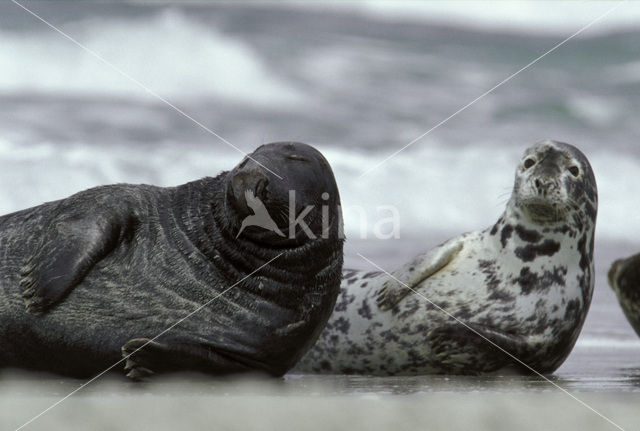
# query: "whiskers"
544,211
283,213
280,211
504,197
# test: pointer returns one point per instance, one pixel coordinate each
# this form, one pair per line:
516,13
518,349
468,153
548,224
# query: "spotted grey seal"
524,283
106,270
624,279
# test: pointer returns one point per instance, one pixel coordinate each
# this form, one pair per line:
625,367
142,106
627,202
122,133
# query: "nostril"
248,179
261,188
538,184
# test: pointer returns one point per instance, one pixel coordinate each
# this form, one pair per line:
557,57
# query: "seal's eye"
529,162
297,157
575,171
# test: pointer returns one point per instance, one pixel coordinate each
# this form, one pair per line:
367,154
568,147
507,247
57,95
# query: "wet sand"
314,404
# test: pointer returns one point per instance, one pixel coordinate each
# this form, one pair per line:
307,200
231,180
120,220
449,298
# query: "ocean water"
359,82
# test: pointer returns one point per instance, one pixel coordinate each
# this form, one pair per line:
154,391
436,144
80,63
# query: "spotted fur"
524,283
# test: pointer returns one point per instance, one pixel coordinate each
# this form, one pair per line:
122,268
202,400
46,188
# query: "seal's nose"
543,185
252,178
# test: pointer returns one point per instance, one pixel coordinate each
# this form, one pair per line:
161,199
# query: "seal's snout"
260,190
544,186
249,179
288,186
612,274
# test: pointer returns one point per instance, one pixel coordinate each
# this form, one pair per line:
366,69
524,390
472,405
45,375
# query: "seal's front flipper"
475,349
137,353
70,246
145,357
410,275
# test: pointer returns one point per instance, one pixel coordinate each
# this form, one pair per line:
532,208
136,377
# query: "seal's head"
624,279
284,193
554,180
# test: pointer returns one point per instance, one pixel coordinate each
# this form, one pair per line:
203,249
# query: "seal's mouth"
543,211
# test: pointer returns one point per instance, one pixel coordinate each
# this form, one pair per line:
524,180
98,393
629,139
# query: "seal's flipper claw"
139,374
136,372
46,283
390,294
35,306
136,354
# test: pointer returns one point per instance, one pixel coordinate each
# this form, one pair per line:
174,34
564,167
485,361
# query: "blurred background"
357,80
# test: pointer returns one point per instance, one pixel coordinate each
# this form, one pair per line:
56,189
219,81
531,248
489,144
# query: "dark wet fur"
169,251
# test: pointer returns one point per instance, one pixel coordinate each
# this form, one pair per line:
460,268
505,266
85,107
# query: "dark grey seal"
106,270
624,279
